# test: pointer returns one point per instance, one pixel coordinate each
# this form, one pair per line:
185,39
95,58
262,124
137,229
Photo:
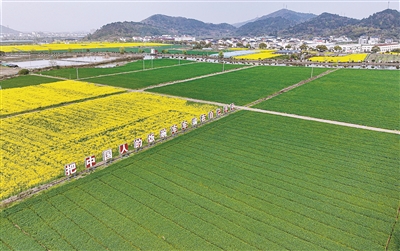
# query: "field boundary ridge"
194,78
392,230
290,88
128,72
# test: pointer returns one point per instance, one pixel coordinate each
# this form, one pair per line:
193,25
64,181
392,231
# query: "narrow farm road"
290,115
290,88
190,79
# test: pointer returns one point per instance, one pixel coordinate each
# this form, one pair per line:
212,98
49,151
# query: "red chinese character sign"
150,138
70,169
174,129
107,155
123,148
226,109
184,125
194,121
90,161
163,133
202,118
232,106
137,143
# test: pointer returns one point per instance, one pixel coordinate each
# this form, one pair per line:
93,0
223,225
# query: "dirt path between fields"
127,72
289,115
290,88
111,74
194,78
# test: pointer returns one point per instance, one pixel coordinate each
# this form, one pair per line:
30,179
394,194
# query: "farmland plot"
241,87
365,97
138,80
247,181
36,146
22,81
70,73
17,100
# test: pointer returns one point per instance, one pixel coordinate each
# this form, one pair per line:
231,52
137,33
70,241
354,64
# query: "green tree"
303,47
239,44
375,49
262,46
122,50
321,48
220,55
288,46
337,48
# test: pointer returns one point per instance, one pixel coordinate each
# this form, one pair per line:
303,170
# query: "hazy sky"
87,15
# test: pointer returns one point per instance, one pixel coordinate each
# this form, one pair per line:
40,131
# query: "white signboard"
174,129
150,138
107,155
137,143
202,118
194,121
210,115
184,125
232,106
218,112
163,133
226,109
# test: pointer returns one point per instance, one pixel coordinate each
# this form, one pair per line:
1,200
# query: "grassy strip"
365,97
241,87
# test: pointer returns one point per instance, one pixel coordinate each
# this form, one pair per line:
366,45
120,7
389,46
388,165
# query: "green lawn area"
70,73
247,181
365,97
241,87
142,79
22,81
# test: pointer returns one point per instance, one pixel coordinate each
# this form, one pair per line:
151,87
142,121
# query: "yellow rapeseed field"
348,58
262,54
16,100
36,146
70,46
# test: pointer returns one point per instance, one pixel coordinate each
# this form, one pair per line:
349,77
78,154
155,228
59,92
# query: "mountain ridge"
280,23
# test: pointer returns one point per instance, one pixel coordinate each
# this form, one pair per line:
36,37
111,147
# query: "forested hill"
282,23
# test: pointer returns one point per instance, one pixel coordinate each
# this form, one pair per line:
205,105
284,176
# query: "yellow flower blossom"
71,46
16,100
36,146
348,58
262,54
